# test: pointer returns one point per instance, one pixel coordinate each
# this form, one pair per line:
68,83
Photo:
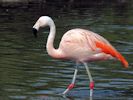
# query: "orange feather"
113,52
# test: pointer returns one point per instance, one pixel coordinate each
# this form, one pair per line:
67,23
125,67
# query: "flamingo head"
41,22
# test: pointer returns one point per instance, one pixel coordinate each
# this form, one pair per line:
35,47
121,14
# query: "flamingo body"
82,44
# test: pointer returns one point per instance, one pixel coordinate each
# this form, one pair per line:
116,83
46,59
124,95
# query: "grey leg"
90,78
73,81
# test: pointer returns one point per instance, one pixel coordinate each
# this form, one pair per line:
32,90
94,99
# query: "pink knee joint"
70,86
92,85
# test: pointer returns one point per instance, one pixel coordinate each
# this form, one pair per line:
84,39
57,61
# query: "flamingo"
79,45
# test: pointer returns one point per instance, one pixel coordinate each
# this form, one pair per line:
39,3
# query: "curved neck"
50,46
51,37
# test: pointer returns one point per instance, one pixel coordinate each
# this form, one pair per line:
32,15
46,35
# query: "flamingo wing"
100,42
108,49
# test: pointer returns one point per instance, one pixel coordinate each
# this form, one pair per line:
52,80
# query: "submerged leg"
73,81
90,78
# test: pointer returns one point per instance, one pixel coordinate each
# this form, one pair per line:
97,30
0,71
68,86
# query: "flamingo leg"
72,83
90,78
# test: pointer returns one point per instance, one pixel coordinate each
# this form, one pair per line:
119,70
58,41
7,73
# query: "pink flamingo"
79,45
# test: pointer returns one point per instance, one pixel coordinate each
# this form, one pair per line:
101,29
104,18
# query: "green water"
28,73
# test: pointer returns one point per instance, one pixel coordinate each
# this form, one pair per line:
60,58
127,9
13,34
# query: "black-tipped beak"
35,32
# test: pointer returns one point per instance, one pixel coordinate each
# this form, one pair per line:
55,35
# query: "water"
28,73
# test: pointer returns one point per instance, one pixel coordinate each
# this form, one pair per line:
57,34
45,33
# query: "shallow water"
28,73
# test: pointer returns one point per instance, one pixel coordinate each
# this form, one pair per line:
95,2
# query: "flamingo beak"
35,32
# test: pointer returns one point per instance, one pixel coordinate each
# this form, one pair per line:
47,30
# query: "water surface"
28,73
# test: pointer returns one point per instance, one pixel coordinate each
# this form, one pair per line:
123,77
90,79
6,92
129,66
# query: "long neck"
50,42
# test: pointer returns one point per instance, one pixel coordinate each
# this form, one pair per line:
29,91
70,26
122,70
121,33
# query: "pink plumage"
79,45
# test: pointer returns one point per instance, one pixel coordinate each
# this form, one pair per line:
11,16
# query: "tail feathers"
106,48
122,59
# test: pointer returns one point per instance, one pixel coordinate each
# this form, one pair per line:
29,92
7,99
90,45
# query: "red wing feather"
110,50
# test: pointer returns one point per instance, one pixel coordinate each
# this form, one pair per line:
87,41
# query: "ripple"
27,72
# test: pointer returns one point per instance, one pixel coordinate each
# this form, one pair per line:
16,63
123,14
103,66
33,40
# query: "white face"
37,25
42,22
